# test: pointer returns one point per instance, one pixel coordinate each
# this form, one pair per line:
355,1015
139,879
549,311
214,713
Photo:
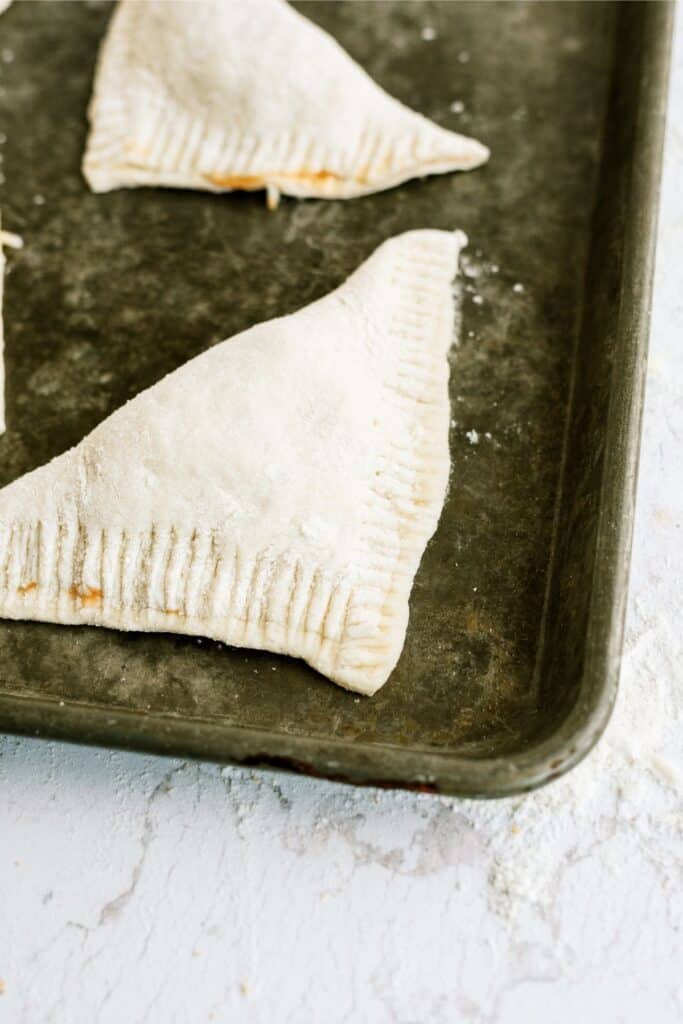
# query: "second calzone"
275,492
227,94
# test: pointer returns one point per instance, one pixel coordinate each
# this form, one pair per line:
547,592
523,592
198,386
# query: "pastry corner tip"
460,238
481,154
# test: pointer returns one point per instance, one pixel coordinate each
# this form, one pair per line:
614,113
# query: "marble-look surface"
140,889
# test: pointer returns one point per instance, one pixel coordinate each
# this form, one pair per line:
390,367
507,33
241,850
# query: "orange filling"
248,181
255,181
86,595
27,587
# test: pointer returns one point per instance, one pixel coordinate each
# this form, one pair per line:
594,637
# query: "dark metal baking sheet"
510,666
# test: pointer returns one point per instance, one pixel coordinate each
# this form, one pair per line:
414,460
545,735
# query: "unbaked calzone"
275,492
225,94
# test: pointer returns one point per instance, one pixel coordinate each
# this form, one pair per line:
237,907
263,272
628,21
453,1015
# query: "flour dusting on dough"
275,104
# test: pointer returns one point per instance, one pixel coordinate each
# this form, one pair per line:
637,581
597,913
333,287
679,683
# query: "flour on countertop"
641,747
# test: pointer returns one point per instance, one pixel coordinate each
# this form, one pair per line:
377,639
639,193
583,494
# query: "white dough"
229,94
275,492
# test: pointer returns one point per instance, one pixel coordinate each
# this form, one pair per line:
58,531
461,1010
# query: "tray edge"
441,771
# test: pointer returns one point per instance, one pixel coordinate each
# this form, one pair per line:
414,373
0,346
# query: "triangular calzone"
275,492
225,94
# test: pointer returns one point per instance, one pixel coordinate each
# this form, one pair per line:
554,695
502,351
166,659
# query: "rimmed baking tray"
511,662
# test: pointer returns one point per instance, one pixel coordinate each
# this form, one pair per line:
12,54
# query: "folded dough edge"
145,131
179,577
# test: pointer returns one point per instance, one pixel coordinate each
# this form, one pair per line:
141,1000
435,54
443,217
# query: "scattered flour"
470,267
637,764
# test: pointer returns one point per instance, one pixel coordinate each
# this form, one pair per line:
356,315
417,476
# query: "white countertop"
139,889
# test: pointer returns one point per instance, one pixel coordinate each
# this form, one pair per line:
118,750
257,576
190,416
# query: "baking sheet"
510,663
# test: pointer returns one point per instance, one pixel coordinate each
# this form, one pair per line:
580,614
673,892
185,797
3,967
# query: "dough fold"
275,492
224,95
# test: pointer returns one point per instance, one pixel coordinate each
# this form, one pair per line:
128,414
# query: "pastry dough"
228,94
4,4
275,492
14,242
